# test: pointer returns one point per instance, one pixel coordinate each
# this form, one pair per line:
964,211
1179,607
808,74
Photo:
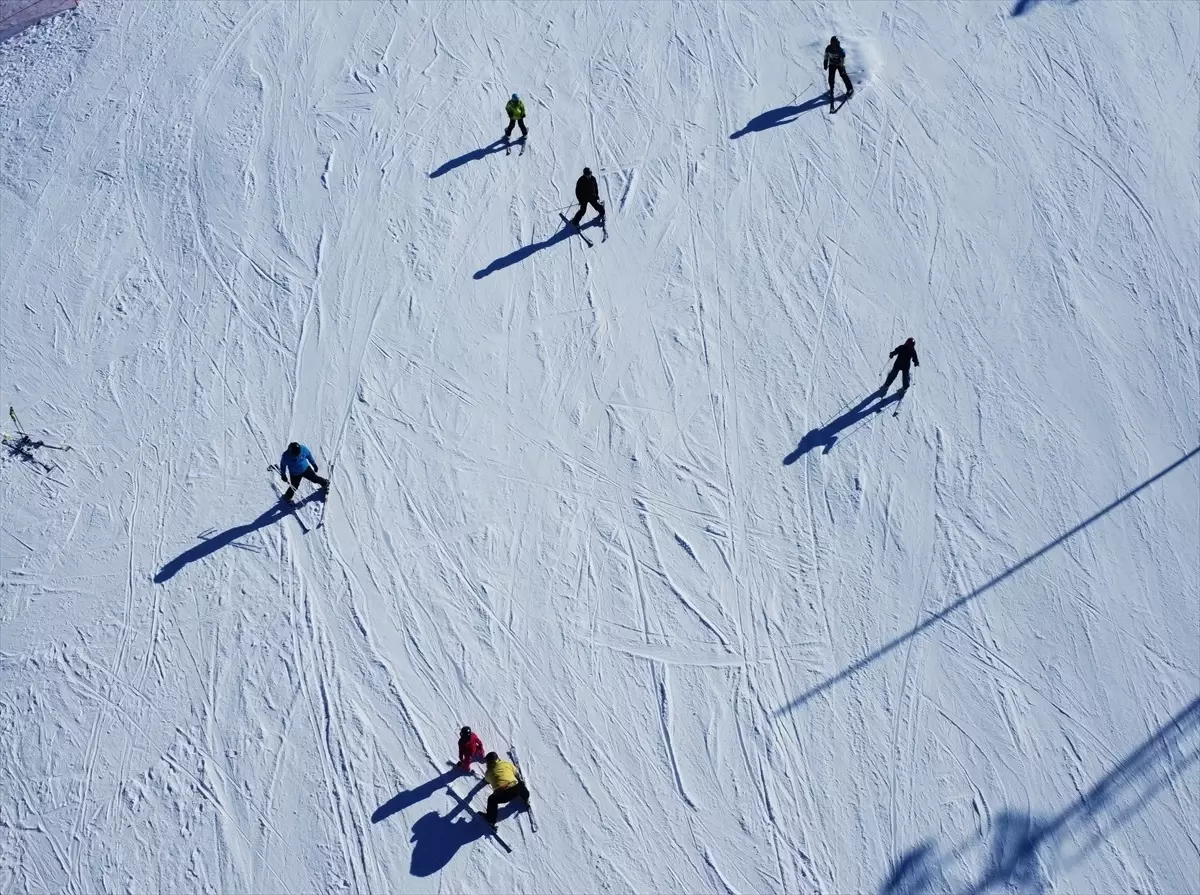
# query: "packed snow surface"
621,507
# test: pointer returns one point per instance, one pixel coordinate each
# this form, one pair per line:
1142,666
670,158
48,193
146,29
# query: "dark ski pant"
517,121
595,203
891,377
311,475
500,796
840,69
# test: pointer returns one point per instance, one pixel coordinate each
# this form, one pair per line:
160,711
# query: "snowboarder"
515,109
506,785
297,463
470,748
905,355
586,191
835,63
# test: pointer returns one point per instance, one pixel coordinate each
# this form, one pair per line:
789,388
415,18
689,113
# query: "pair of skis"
578,229
508,145
294,505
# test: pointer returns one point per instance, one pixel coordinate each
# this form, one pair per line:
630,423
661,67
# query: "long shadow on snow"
409,797
472,156
958,604
782,115
229,536
1018,848
826,436
524,252
1023,6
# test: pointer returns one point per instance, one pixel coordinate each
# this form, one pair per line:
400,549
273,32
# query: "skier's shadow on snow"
472,156
827,436
410,797
436,837
213,543
525,251
22,449
782,115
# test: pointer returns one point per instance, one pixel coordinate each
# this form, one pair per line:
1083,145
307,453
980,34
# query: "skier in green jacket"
515,109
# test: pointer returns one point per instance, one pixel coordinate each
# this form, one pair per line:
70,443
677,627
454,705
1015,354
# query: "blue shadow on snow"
409,797
436,838
472,156
782,115
214,543
827,436
1014,851
941,615
524,252
1023,6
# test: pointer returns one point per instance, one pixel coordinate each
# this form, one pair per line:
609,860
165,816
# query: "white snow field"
620,507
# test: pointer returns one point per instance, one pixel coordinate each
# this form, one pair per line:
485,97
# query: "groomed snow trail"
619,506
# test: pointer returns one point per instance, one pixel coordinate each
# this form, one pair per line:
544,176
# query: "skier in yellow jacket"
515,109
506,785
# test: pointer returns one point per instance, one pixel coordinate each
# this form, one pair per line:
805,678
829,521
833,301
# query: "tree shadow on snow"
827,436
941,615
524,252
1019,852
212,543
474,155
782,115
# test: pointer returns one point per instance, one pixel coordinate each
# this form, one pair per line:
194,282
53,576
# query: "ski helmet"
911,341
464,733
294,449
514,96
833,40
587,170
491,758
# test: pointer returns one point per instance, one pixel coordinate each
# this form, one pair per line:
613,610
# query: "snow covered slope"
622,506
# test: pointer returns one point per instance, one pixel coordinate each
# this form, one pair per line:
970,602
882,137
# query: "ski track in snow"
559,512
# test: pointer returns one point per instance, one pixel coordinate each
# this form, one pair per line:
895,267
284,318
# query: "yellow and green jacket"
515,108
501,775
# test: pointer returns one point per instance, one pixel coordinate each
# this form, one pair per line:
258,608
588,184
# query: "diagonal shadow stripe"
978,592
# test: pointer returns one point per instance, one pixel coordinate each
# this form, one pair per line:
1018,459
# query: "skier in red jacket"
470,748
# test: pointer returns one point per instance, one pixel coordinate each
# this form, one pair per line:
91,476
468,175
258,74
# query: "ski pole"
12,413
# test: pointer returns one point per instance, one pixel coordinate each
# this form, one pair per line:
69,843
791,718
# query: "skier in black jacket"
905,355
835,63
587,191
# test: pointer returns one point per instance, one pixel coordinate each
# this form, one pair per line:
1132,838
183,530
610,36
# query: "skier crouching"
587,191
506,785
470,748
905,355
297,463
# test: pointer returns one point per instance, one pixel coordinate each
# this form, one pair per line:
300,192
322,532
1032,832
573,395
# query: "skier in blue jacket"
297,463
